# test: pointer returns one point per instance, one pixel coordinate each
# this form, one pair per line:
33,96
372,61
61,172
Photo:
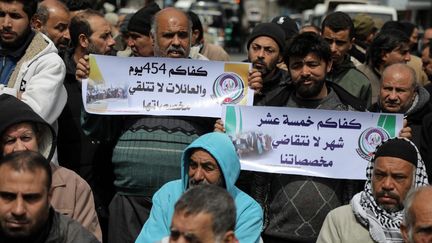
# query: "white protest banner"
164,86
311,142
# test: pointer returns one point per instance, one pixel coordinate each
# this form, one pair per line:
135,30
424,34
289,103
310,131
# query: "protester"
400,93
388,47
364,32
203,218
417,222
25,211
210,159
295,206
338,30
375,214
265,48
52,19
31,70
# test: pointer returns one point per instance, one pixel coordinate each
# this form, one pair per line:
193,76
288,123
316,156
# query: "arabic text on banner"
311,142
164,86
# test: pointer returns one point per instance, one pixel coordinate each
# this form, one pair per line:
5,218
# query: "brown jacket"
72,196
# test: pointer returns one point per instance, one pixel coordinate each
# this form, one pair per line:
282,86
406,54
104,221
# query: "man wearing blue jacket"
210,159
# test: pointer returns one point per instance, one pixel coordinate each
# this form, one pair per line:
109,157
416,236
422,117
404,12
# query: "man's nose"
407,57
393,95
199,174
66,35
176,40
19,146
19,208
388,184
7,21
111,41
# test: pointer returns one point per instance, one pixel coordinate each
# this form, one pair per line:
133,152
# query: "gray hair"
409,217
213,200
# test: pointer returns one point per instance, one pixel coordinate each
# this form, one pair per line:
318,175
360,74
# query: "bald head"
398,88
417,223
52,19
171,31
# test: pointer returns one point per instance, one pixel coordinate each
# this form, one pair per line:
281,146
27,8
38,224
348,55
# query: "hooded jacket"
38,79
249,213
71,195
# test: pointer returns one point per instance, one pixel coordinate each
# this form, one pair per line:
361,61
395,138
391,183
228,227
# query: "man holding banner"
375,214
297,205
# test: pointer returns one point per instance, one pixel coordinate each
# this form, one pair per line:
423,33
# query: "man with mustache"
375,214
210,159
338,30
265,48
52,18
297,205
31,69
400,93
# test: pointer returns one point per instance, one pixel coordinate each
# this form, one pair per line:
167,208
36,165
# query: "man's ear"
280,58
50,193
404,232
36,23
230,237
329,66
152,38
83,41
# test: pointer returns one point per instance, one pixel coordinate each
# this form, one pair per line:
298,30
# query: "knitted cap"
363,24
287,24
141,21
271,30
398,148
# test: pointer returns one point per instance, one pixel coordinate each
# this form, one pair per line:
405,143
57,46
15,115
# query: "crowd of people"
70,176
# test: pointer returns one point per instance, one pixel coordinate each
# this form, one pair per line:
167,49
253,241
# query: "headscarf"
384,226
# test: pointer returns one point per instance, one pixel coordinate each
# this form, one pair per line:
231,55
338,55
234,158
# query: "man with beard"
375,214
52,19
297,205
26,215
31,70
210,159
338,30
265,47
90,158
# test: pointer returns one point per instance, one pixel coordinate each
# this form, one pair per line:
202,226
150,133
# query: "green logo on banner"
388,122
233,121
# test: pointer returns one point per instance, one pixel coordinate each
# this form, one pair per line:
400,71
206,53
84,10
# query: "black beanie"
398,148
271,30
287,24
141,21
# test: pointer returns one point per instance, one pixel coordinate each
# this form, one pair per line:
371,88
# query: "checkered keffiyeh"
383,226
